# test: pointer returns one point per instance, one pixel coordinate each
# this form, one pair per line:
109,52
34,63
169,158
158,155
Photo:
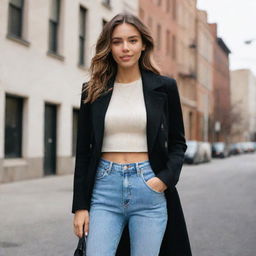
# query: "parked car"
254,143
197,152
220,149
235,149
241,147
191,154
206,151
247,146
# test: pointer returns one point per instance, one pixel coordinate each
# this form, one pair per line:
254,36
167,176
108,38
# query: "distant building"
173,27
189,50
186,64
46,49
243,98
221,122
161,18
204,91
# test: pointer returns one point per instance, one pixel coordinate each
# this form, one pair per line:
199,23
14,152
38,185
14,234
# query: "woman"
130,150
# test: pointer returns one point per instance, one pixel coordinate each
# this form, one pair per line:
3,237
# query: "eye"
133,40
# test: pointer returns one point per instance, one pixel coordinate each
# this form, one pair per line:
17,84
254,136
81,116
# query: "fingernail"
86,233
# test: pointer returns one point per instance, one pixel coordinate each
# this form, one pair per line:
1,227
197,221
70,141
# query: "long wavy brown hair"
103,66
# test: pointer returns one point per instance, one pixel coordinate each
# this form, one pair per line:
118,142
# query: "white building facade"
45,51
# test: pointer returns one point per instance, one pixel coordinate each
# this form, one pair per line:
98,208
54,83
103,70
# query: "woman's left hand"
156,184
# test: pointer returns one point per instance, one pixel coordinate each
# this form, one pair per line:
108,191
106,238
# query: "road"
218,199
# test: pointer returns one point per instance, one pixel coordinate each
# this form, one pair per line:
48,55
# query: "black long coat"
166,148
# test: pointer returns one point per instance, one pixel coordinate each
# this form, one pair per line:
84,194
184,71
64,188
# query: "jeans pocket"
146,174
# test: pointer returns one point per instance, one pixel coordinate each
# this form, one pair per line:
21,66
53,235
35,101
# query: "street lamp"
250,41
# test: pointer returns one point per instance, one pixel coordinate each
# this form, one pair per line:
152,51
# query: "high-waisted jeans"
121,195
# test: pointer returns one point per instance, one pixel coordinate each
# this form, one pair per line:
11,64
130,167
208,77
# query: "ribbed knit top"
125,119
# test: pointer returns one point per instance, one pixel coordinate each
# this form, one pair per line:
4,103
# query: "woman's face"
126,45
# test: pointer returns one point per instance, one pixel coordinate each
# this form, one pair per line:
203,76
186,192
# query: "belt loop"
110,168
137,168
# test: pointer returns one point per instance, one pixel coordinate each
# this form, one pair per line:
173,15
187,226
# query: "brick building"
221,125
204,91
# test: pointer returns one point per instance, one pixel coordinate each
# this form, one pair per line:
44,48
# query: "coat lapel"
154,102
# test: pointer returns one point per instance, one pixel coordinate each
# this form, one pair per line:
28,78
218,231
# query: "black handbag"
81,246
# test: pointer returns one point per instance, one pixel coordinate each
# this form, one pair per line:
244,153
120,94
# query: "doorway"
50,125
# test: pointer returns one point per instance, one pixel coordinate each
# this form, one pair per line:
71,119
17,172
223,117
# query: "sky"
236,21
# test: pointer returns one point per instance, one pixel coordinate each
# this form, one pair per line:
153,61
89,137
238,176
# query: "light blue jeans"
121,195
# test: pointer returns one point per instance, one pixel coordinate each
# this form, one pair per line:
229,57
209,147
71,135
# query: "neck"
127,75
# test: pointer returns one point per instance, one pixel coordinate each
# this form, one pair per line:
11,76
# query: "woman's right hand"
81,220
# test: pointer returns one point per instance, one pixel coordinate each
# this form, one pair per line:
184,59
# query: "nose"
125,46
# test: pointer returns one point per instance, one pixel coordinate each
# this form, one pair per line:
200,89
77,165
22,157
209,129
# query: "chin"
127,65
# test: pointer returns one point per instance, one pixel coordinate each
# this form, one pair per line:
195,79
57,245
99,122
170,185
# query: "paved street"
218,198
219,202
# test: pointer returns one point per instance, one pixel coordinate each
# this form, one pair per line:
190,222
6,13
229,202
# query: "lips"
126,57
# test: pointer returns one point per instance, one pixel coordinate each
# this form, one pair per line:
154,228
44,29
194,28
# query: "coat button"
165,143
90,145
162,126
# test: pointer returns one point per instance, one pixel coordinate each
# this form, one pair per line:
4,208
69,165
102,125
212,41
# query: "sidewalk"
35,215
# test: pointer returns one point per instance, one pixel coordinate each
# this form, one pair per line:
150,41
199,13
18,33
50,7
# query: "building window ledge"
55,55
83,67
18,39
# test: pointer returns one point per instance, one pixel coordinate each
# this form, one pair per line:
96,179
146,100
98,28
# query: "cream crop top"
125,119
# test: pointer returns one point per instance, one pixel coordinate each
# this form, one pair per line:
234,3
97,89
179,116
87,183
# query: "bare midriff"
125,157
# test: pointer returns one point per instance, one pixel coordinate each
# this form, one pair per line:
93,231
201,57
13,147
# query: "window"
15,21
141,14
167,5
13,127
150,22
173,47
168,47
54,26
74,130
158,37
174,9
82,32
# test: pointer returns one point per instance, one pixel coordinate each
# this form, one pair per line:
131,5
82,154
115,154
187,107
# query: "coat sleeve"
82,157
176,137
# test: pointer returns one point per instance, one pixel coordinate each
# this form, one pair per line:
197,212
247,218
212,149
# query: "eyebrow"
121,37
